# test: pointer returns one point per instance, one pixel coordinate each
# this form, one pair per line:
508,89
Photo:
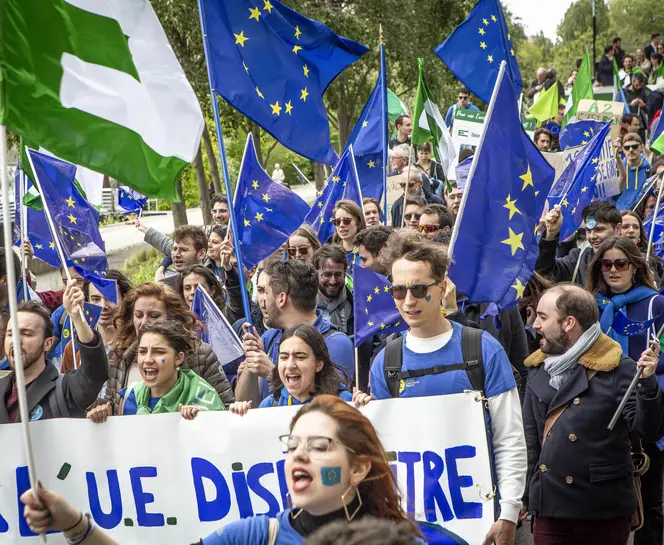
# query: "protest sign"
394,189
467,128
602,110
161,479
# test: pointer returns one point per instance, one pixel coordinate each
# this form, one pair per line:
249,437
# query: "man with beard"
581,482
334,299
49,394
289,291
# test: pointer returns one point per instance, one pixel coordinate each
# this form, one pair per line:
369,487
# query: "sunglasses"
419,291
631,147
344,221
428,228
411,216
621,264
463,98
295,250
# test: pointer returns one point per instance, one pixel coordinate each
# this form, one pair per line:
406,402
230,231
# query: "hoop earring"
343,500
290,506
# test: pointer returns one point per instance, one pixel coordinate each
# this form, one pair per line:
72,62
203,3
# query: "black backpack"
471,349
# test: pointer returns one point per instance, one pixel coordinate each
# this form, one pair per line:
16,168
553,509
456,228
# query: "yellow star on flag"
596,160
266,197
365,123
246,69
51,245
519,287
258,217
336,179
254,184
376,290
383,326
371,164
255,13
511,206
514,241
586,134
306,71
370,324
70,202
267,6
276,109
304,94
289,107
258,91
296,48
483,45
369,298
485,21
574,210
298,32
247,223
490,58
320,204
72,219
386,289
565,202
240,39
584,189
527,179
512,52
39,246
482,31
493,18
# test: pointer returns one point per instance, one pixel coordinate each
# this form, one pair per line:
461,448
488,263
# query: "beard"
29,358
555,345
273,315
331,292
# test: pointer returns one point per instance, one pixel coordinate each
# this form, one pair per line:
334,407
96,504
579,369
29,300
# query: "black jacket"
562,269
583,470
80,386
397,207
605,71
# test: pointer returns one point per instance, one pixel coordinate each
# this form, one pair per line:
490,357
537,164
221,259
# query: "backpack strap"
392,362
56,402
272,531
471,350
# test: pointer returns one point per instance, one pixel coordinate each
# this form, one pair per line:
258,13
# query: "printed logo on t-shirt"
36,413
410,383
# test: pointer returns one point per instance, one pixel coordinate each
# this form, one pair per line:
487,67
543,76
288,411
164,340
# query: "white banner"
161,479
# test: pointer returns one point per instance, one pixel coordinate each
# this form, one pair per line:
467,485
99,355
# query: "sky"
539,15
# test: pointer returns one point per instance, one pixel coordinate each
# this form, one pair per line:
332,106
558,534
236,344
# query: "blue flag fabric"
266,212
373,306
36,228
367,142
579,133
658,236
648,188
462,171
91,313
475,49
130,201
106,286
343,184
575,188
495,250
217,332
628,327
273,65
76,221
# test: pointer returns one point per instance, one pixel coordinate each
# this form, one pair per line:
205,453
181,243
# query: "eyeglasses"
329,275
621,264
463,97
428,228
295,250
632,147
315,445
412,215
419,291
344,221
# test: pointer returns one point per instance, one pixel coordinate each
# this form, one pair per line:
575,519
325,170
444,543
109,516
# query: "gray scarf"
560,367
336,311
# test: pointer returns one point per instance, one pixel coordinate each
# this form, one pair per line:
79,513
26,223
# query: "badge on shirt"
65,333
36,413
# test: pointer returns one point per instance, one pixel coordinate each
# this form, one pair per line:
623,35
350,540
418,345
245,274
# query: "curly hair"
176,309
412,246
178,337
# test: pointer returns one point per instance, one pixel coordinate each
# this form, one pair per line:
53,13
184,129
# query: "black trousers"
652,487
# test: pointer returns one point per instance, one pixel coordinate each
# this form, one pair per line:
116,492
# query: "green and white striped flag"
97,84
428,123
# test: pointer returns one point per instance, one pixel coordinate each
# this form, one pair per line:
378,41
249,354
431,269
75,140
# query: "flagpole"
654,221
405,188
23,217
471,173
645,192
13,316
384,134
224,165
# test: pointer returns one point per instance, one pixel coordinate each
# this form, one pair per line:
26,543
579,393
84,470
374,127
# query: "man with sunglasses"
433,344
434,218
633,171
463,103
334,299
415,193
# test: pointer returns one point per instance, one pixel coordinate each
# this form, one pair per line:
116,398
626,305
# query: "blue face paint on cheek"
331,475
427,298
163,361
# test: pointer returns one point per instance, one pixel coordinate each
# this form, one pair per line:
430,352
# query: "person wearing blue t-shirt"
418,270
463,103
633,172
287,297
304,371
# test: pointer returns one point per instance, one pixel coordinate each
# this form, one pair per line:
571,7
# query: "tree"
579,19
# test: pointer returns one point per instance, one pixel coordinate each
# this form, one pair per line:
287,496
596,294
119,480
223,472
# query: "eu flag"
273,65
578,133
36,226
575,188
495,249
217,332
658,236
367,142
373,306
625,202
91,313
474,51
628,327
106,286
76,221
130,201
342,184
267,213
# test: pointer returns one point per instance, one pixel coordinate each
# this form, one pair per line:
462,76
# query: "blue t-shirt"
4,364
285,399
130,406
254,531
636,179
498,377
338,344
